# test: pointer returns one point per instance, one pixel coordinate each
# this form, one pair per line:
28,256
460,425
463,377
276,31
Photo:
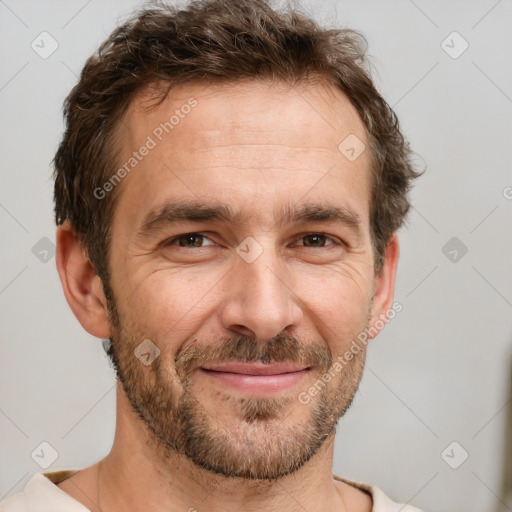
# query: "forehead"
244,137
311,110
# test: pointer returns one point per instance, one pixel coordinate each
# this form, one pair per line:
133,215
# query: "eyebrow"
194,211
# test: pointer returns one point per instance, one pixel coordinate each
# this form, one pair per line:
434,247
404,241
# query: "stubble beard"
258,444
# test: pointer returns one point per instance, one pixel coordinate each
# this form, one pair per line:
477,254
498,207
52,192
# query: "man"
228,193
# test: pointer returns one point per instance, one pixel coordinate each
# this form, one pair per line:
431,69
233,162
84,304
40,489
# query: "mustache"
281,348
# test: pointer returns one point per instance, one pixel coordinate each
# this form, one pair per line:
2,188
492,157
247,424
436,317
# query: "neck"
135,473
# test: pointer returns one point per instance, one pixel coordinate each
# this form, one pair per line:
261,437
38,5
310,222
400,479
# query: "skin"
257,148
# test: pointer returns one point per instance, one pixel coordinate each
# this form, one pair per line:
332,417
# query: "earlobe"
384,285
82,287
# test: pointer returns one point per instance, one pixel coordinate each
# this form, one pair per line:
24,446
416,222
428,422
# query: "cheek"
168,302
338,305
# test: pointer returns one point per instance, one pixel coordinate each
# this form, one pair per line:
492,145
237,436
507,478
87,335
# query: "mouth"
255,377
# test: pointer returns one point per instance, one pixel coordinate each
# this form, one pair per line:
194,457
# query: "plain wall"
439,371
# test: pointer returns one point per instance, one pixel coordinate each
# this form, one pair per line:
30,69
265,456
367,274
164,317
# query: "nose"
261,302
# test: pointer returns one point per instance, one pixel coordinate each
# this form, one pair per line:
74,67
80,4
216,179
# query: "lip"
256,377
256,368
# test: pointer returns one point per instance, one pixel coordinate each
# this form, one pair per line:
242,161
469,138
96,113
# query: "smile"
256,377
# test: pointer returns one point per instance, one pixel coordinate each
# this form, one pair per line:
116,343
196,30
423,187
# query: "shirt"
41,494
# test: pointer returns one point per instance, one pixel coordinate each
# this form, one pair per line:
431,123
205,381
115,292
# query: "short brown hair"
217,41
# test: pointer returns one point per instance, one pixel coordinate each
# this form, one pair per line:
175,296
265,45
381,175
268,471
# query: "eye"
316,240
189,240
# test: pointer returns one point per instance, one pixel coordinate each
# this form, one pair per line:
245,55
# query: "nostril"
242,329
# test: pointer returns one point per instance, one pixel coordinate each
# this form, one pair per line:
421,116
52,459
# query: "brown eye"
189,240
315,240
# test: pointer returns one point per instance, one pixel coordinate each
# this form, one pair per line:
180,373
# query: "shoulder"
41,494
381,502
15,503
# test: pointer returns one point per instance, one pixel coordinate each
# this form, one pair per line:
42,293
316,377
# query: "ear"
384,287
82,287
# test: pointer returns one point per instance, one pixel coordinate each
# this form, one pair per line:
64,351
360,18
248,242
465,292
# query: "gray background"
439,371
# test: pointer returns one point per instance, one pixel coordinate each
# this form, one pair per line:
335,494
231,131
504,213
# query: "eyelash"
333,240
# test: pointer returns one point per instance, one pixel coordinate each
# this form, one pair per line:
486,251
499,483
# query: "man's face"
267,272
